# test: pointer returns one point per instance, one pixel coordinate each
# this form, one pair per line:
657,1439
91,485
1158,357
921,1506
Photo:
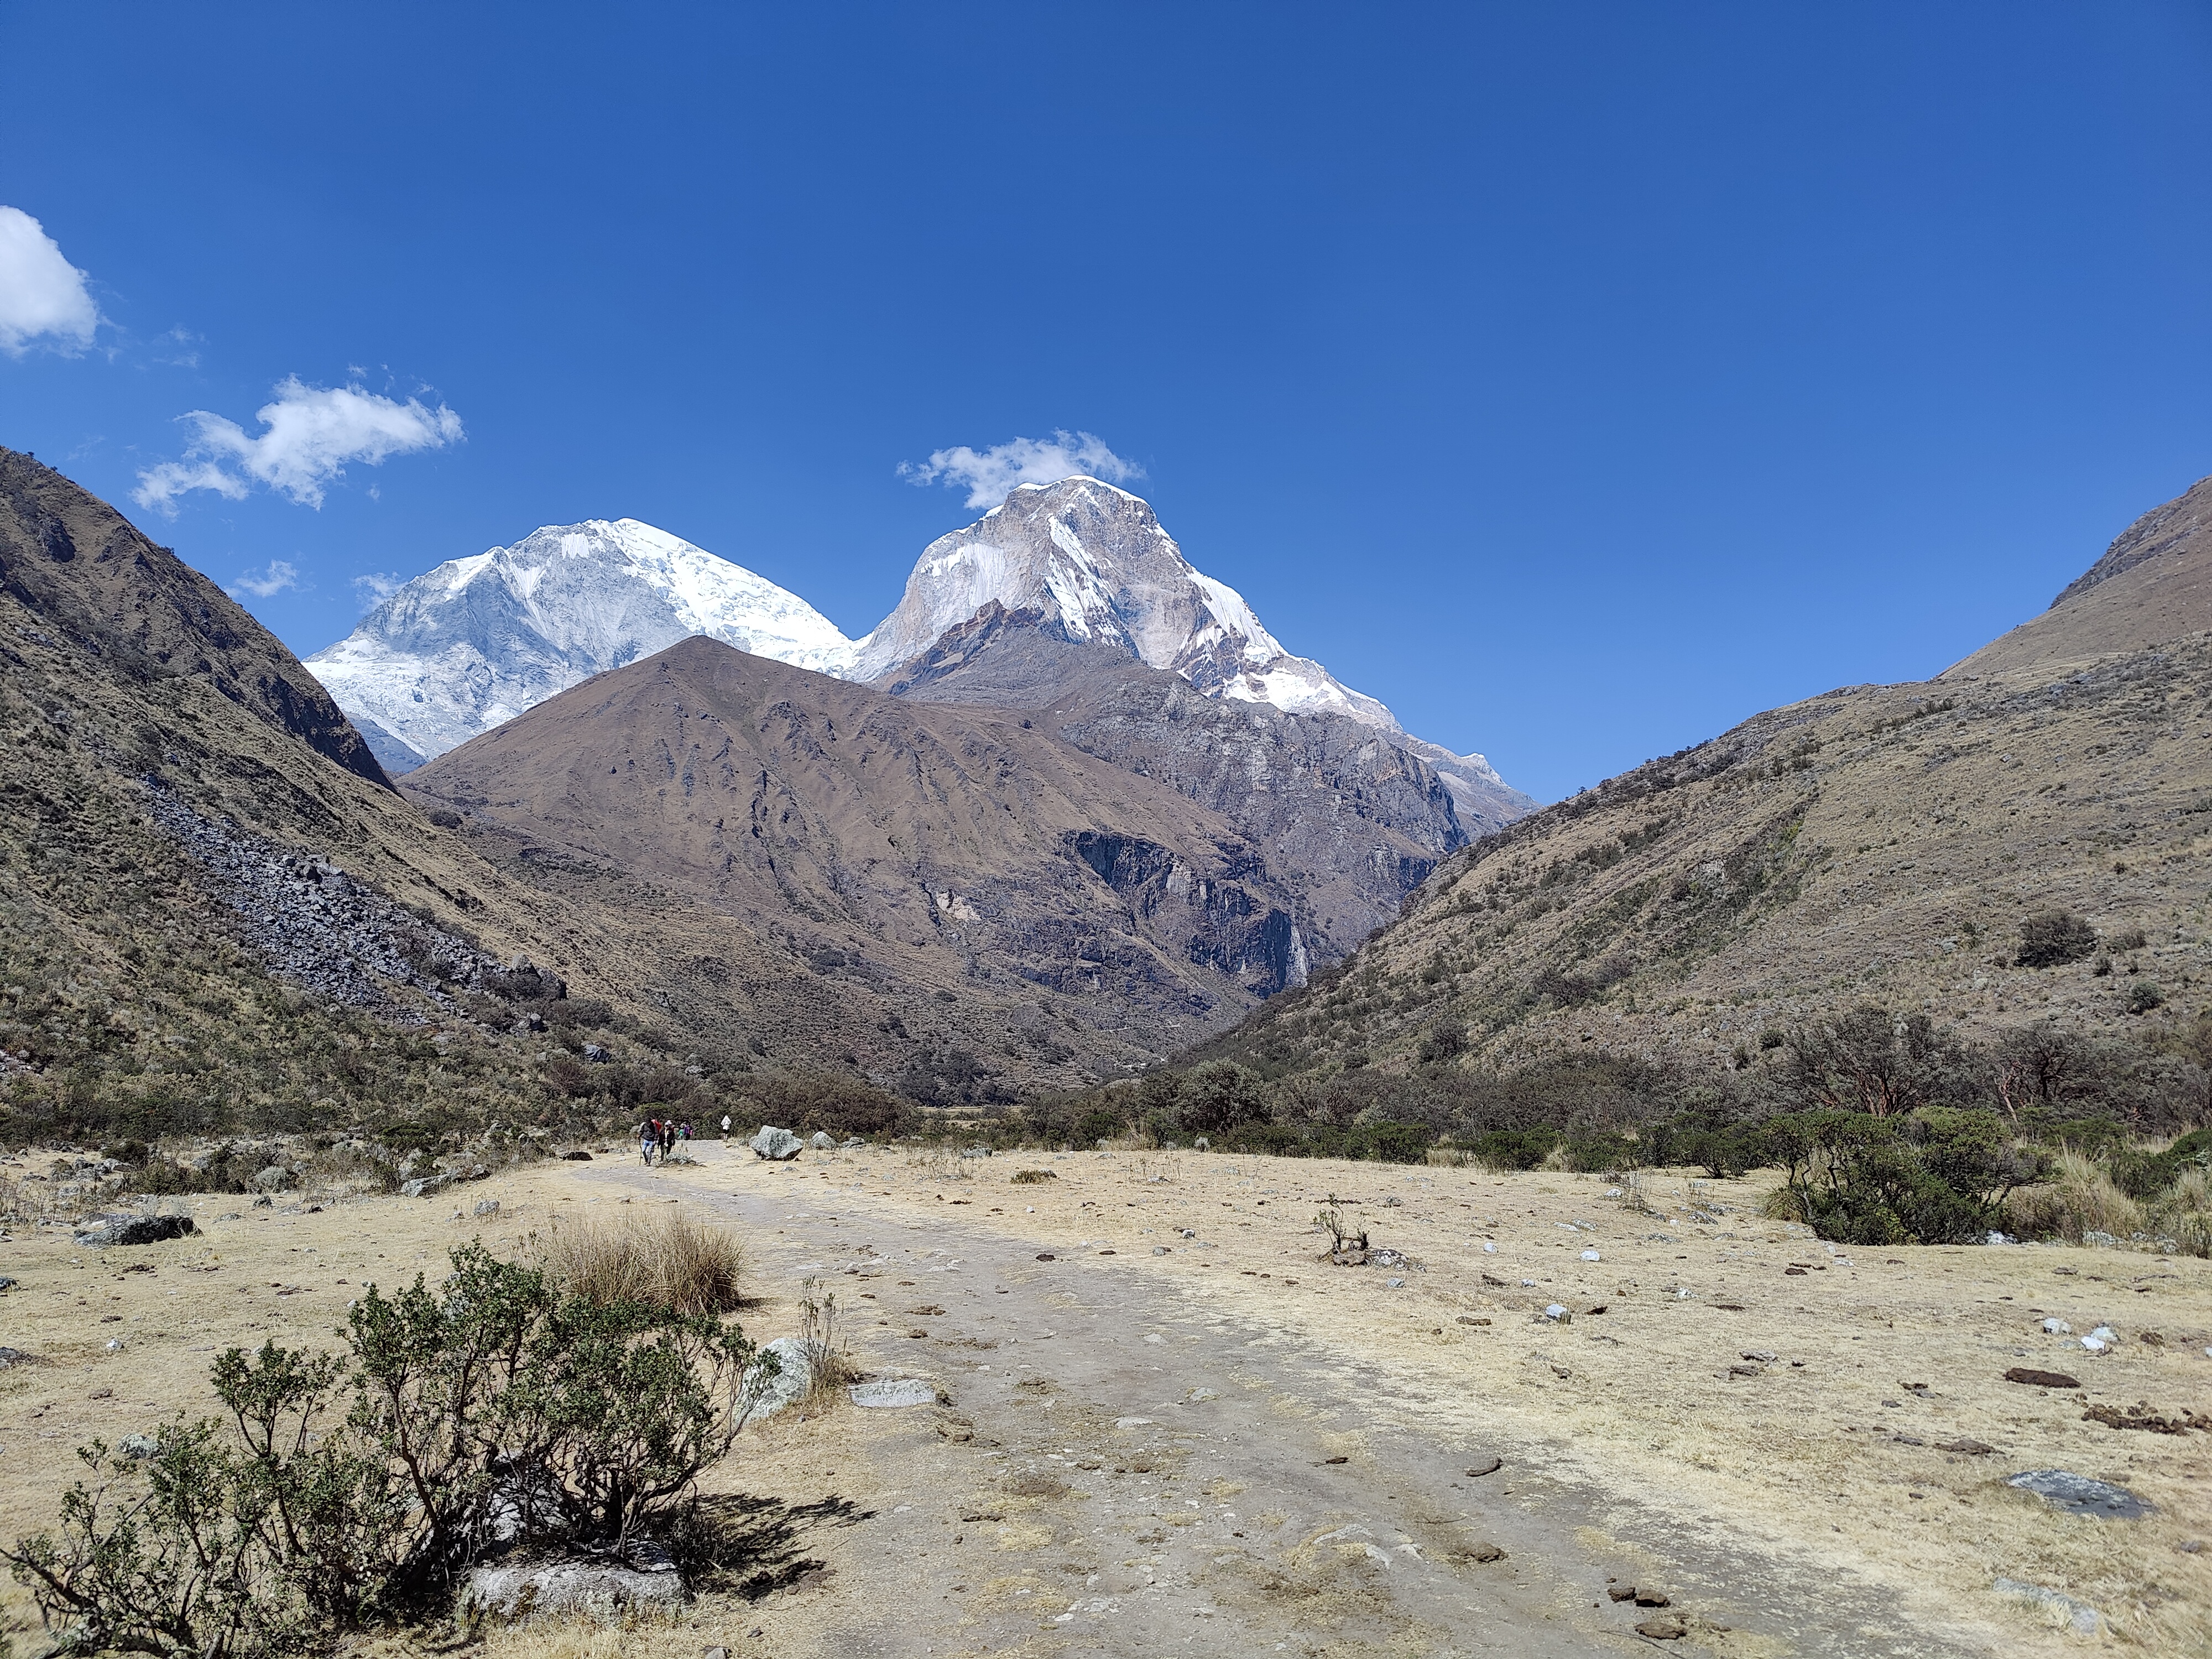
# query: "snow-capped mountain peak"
478,639
1095,560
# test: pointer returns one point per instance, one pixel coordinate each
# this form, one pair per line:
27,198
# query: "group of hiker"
661,1136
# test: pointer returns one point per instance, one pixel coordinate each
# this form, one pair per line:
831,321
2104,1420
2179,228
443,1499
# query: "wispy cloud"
314,433
43,297
280,576
989,474
376,588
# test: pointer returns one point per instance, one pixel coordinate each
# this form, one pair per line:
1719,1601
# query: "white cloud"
991,473
280,576
313,432
42,295
376,588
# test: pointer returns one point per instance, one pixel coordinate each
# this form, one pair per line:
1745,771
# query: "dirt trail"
1153,1471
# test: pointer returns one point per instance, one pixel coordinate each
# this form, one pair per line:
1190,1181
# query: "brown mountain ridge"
822,870
1877,843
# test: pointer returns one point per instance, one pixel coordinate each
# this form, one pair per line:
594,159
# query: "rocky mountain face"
1353,820
213,906
846,878
1878,843
1088,564
91,587
477,641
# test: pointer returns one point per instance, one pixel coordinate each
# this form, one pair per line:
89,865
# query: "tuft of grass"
1033,1177
670,1261
2079,1198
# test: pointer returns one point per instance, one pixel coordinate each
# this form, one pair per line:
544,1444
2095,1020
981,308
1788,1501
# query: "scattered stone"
1046,1256
893,1392
1487,1551
1488,1466
1665,1628
1471,1319
1652,1598
1965,1448
2141,1416
264,1202
2037,1379
576,1156
137,1446
6,1283
1591,1255
2085,1619
2079,1495
644,1580
17,1357
1159,1249
1557,1311
716,1653
1621,1592
102,1231
1761,1355
1339,1458
421,1187
1747,1371
779,1145
2056,1328
487,1206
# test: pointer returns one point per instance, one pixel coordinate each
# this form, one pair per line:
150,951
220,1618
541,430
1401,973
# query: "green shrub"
351,1489
1937,1177
2052,936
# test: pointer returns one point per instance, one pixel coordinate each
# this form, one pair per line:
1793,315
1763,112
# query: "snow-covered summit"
477,641
1094,560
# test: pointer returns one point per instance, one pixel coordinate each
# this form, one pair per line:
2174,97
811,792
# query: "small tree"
1868,1060
1220,1096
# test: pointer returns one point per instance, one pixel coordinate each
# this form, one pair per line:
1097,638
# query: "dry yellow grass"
670,1259
2079,1199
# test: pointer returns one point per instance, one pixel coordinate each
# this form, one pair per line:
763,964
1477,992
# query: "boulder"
425,1186
794,1376
274,1179
487,1206
576,1155
2077,1494
781,1144
137,1446
641,1580
822,1143
101,1232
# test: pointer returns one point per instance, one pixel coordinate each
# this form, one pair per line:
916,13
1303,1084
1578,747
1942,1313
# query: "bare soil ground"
1234,1447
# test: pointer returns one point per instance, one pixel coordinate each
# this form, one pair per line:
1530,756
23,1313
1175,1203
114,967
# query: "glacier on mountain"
477,641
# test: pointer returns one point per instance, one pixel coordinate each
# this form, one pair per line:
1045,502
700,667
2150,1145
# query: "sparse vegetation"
671,1261
348,1491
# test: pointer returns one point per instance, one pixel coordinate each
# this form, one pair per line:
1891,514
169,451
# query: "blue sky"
1578,380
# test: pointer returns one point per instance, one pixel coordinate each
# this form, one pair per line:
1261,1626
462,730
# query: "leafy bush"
494,1411
1218,1097
1939,1176
2144,995
2052,936
1869,1060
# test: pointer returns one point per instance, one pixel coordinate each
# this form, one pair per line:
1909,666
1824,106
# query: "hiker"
668,1139
726,1126
648,1132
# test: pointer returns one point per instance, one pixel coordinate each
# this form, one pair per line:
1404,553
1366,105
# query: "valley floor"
1234,1447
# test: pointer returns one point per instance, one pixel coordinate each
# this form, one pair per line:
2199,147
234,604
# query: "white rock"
893,1392
780,1145
1591,1255
2056,1328
1556,1310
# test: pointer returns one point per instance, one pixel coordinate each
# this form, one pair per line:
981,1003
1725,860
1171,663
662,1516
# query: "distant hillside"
1878,843
939,896
2152,584
213,911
